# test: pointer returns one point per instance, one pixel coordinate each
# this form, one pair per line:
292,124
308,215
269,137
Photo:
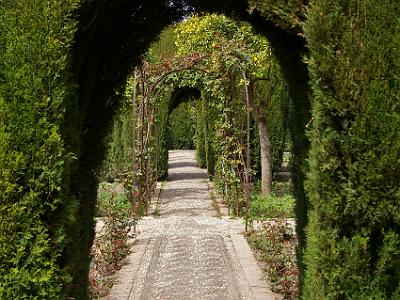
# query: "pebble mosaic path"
188,253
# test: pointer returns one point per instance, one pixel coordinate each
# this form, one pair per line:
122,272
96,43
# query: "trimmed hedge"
205,155
34,86
289,46
112,37
118,161
182,127
354,187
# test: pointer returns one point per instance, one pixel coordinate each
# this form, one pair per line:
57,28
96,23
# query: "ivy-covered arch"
56,108
183,94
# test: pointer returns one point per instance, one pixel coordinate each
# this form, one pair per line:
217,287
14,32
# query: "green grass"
271,207
111,196
215,205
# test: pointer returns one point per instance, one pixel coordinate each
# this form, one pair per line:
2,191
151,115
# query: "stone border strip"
223,209
259,288
252,272
126,277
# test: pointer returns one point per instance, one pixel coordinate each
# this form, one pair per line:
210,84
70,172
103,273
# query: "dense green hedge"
119,159
289,46
162,133
182,127
354,231
205,135
34,86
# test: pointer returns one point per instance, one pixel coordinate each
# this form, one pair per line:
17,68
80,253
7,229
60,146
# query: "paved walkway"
187,253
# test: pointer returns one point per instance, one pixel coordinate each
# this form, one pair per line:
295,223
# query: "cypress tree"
354,231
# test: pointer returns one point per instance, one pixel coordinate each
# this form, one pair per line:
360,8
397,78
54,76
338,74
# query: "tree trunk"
265,143
266,158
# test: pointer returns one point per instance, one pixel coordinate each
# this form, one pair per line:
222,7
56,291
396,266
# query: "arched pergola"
110,40
181,95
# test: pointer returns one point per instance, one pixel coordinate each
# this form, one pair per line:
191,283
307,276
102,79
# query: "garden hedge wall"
119,158
354,185
182,127
35,86
60,65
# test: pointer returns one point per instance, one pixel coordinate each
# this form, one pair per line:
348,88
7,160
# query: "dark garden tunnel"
182,95
110,40
62,74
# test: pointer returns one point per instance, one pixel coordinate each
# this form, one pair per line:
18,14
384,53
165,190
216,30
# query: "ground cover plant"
272,237
274,245
271,207
110,246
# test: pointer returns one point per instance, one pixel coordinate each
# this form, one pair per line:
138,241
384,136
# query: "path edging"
126,277
251,270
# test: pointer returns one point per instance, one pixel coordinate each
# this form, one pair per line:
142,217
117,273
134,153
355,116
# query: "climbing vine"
245,79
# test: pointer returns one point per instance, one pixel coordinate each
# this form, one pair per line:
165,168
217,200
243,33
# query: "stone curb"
126,277
223,209
251,270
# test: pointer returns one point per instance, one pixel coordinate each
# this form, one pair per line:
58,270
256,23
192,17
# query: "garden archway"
181,95
110,40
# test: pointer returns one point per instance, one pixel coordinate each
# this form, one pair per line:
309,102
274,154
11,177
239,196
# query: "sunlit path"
189,253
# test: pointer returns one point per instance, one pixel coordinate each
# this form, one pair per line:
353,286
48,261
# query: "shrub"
263,208
204,137
111,196
182,127
110,246
274,246
34,163
119,155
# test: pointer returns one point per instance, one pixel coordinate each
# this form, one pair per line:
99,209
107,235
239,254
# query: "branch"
271,90
165,75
